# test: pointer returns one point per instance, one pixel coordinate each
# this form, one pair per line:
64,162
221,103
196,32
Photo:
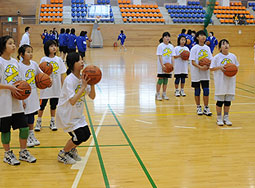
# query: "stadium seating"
252,5
52,13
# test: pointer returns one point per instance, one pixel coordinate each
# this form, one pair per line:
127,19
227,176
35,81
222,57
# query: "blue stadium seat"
73,9
108,1
77,1
73,5
77,5
189,3
83,14
171,6
174,20
175,6
73,20
82,1
103,1
253,8
83,19
78,10
111,14
167,6
82,10
78,14
73,14
73,1
99,1
112,20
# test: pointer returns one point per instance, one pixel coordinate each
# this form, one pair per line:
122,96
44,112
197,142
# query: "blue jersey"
51,37
71,41
213,42
81,43
62,39
191,41
46,37
182,34
122,38
66,38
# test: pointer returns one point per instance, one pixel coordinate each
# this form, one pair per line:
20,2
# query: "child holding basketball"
70,114
224,85
122,37
180,66
200,75
11,111
165,53
28,70
52,93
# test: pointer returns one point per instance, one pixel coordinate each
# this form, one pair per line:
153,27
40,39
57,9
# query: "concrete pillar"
90,2
137,2
224,2
182,2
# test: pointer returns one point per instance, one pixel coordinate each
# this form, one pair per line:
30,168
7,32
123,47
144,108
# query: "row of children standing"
200,75
70,91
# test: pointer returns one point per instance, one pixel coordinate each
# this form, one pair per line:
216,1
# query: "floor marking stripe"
143,121
183,127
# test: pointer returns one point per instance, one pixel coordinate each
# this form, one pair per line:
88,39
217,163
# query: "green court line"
51,147
107,185
133,149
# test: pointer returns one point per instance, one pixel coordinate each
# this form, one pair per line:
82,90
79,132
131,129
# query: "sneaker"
35,141
65,158
165,97
182,93
10,158
24,155
177,93
199,110
226,121
38,125
220,122
158,97
53,126
30,142
74,154
207,111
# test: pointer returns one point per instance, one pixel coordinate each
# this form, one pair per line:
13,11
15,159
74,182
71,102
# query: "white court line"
117,114
132,93
143,121
245,96
183,127
231,128
82,164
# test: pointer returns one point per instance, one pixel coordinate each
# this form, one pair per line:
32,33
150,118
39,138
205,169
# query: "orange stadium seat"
43,5
60,19
124,19
128,1
138,6
42,9
47,5
46,19
129,6
134,20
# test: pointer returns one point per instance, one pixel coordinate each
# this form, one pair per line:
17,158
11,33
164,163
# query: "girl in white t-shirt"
180,66
70,116
11,111
200,75
224,85
28,70
52,93
165,53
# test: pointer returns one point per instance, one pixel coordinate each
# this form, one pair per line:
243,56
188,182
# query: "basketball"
188,41
90,40
42,36
46,67
231,69
204,61
43,81
169,67
115,44
207,43
26,90
94,73
98,28
185,55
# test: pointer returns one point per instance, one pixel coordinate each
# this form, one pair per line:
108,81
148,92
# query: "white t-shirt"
180,66
166,51
58,69
28,73
223,84
71,117
9,74
197,53
25,39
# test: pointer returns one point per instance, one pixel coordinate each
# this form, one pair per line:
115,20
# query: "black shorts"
164,75
82,54
15,121
203,83
71,50
53,103
181,75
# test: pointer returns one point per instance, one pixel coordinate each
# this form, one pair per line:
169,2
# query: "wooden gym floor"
141,143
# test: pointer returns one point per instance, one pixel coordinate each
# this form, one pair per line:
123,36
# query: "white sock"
158,93
164,93
31,131
39,118
52,118
219,117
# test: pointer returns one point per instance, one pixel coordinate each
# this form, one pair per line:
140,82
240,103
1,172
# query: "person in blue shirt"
81,44
51,36
190,40
45,36
182,33
62,39
71,41
213,41
122,37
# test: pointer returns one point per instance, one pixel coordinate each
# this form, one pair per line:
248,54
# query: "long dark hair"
22,50
179,40
47,45
71,59
222,42
3,41
201,32
164,35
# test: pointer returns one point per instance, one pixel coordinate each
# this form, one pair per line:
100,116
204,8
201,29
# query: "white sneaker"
10,158
207,111
177,93
220,122
182,93
74,154
24,155
65,158
226,120
53,126
158,97
165,97
38,125
35,141
30,142
199,110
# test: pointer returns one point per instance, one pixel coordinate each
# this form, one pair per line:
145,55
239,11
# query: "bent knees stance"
80,135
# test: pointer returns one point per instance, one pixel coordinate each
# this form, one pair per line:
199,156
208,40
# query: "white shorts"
224,97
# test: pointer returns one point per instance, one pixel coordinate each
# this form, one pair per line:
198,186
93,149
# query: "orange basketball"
169,67
188,41
98,28
26,90
43,81
94,73
231,69
46,67
185,55
42,36
207,43
90,40
115,44
204,61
